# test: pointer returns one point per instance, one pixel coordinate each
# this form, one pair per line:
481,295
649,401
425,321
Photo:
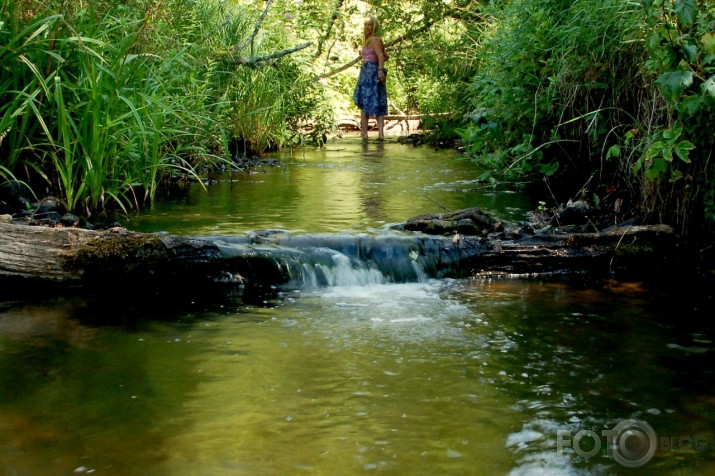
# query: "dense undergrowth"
608,101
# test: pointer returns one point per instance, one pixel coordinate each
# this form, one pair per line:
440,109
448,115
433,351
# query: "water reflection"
345,186
439,377
72,395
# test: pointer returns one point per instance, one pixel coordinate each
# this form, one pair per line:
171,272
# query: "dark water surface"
437,377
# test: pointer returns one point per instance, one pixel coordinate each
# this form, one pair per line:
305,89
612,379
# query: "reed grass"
100,103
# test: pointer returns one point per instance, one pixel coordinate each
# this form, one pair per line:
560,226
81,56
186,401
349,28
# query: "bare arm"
379,47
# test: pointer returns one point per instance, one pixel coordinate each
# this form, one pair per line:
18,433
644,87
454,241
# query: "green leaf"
614,151
667,153
656,169
596,200
672,134
708,41
687,11
673,83
638,164
691,53
654,40
548,169
682,150
675,175
708,87
690,105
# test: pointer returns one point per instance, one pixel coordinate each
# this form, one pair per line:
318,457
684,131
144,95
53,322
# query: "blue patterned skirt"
370,94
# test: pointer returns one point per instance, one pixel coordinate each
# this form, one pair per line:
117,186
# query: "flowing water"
361,373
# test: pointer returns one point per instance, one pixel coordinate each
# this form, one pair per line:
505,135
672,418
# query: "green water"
458,377
346,186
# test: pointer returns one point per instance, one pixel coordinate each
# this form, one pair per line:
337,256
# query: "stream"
359,372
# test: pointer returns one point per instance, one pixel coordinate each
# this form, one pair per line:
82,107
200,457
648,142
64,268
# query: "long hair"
375,27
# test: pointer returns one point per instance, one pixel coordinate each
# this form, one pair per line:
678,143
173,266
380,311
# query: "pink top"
369,55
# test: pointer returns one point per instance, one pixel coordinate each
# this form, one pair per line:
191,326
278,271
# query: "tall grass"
267,105
99,102
82,120
554,79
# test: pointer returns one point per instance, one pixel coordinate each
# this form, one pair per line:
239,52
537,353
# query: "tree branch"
334,16
272,56
255,29
389,44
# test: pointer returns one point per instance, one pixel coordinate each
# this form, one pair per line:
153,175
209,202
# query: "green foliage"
681,57
622,91
103,101
550,84
81,103
664,146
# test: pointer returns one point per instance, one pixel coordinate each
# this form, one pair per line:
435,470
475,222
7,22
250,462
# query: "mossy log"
78,257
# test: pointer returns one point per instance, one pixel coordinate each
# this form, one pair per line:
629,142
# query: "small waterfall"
339,271
313,261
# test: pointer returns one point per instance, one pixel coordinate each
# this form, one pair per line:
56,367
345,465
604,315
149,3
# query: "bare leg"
363,124
381,127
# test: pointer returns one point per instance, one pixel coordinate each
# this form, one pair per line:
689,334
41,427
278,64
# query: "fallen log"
631,250
77,257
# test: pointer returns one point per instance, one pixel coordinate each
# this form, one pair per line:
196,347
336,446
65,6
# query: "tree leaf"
673,83
708,41
690,52
708,87
656,169
682,150
690,105
675,175
654,40
687,11
614,151
667,153
548,169
672,134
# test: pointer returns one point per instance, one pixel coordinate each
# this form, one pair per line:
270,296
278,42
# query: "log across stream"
83,258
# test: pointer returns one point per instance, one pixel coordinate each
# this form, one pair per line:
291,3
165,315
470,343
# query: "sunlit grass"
101,103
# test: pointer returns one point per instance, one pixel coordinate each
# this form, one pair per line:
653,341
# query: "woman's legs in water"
364,124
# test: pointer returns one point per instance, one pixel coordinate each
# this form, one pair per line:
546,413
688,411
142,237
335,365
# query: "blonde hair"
375,28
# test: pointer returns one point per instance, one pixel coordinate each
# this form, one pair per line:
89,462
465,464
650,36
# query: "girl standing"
370,94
